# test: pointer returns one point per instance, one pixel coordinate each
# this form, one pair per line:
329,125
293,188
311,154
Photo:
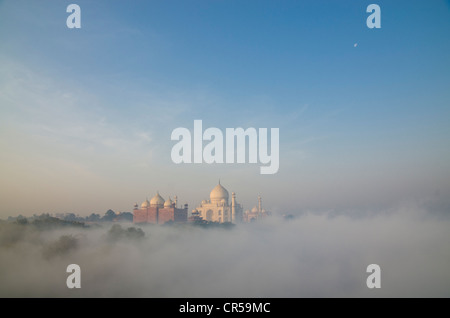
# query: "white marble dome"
218,194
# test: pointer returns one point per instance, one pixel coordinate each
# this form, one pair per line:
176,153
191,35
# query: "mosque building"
159,211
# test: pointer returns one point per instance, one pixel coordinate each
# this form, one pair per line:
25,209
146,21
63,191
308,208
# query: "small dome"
145,204
218,193
168,203
157,201
255,209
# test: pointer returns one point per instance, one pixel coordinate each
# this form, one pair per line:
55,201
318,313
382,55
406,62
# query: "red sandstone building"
158,211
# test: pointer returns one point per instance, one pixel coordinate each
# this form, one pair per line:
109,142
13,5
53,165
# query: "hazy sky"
86,115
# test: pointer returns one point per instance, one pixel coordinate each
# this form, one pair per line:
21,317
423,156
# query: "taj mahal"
217,209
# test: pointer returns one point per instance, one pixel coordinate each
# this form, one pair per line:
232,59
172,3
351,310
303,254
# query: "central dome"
157,201
218,194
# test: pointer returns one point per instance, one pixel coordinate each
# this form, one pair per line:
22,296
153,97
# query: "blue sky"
86,115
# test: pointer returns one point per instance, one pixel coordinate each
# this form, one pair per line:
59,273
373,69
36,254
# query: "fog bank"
313,255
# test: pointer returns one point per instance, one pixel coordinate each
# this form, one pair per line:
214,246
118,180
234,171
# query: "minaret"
175,198
259,204
233,207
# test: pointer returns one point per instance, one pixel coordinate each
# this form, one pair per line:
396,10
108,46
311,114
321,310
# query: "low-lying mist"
313,255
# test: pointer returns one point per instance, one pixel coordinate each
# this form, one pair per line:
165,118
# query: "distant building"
218,209
256,213
159,211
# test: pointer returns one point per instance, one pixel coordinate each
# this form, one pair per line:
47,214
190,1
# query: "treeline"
73,219
109,216
43,221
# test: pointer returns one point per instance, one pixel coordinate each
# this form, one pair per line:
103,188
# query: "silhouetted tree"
93,218
125,217
109,216
70,217
21,220
117,232
134,233
62,246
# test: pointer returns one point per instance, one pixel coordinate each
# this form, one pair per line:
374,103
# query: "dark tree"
125,217
62,246
93,218
21,220
70,217
109,216
117,232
